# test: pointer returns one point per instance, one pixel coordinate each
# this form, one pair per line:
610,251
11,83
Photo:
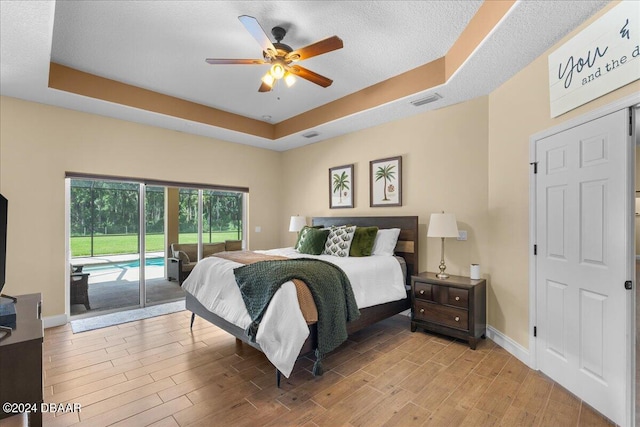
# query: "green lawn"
128,243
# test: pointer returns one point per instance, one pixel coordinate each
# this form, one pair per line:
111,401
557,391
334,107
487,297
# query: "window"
221,216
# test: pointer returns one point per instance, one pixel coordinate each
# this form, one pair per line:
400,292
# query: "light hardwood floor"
156,372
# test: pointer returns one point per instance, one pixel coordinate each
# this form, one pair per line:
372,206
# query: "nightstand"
455,306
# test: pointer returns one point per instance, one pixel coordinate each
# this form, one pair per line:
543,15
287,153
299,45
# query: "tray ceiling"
160,47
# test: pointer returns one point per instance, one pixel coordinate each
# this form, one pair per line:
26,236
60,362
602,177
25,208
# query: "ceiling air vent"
426,100
311,134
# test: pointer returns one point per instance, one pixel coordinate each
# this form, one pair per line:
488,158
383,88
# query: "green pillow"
363,239
313,241
302,233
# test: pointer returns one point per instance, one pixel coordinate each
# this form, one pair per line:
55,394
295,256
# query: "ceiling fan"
282,57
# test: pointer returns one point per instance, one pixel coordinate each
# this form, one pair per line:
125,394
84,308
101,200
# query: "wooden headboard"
407,246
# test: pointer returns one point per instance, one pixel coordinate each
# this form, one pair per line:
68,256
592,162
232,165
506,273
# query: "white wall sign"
601,58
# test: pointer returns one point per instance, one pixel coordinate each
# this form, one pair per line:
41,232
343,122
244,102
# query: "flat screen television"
4,208
7,308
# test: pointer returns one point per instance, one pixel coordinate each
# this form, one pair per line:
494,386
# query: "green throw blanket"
328,284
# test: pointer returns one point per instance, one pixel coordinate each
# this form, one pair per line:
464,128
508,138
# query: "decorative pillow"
303,232
385,242
339,241
313,241
363,240
182,256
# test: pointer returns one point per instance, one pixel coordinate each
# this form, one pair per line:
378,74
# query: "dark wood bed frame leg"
278,376
193,317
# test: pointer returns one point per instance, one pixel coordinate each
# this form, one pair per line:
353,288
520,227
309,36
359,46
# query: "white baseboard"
57,320
516,350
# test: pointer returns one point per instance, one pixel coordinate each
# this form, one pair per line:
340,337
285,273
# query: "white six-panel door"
581,264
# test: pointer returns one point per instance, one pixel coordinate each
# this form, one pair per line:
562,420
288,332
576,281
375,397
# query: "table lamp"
297,223
442,225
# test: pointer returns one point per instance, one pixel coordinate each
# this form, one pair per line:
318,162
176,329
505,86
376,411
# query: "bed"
406,247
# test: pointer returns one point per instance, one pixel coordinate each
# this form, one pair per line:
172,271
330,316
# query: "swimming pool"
149,262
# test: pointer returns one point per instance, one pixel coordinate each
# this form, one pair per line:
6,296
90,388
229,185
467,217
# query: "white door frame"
626,102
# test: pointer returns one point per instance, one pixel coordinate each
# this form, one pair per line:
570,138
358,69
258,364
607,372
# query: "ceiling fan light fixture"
277,70
289,79
268,79
280,56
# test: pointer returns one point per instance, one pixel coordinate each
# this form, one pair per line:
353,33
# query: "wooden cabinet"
455,306
21,359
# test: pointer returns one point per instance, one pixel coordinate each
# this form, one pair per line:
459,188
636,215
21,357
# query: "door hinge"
535,331
535,167
630,122
628,285
535,249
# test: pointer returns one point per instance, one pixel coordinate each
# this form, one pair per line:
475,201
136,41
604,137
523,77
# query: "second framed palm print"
341,187
385,182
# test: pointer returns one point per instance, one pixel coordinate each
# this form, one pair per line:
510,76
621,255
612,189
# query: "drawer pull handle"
422,292
422,310
457,319
457,298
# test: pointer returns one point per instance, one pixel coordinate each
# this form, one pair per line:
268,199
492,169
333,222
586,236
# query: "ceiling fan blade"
235,61
252,25
315,49
310,75
264,87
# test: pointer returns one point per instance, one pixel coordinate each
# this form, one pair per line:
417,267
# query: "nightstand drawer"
453,306
448,316
424,291
458,297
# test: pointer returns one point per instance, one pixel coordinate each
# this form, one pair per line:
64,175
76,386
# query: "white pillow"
385,242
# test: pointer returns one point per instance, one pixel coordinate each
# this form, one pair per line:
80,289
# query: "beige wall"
38,143
444,165
517,110
478,170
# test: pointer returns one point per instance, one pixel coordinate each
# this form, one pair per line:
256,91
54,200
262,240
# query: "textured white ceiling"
161,46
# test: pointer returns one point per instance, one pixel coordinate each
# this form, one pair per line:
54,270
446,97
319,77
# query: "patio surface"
113,283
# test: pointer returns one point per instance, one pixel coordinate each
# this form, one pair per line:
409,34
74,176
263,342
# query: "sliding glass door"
157,287
121,234
188,215
104,244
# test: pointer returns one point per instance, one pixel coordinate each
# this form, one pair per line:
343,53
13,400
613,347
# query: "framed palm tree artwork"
341,187
385,182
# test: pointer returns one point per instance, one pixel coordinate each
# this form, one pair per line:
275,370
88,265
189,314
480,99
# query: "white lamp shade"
297,222
443,225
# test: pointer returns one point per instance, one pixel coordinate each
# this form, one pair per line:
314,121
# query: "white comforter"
283,330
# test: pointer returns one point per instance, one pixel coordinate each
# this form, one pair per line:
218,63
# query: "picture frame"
341,187
385,182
